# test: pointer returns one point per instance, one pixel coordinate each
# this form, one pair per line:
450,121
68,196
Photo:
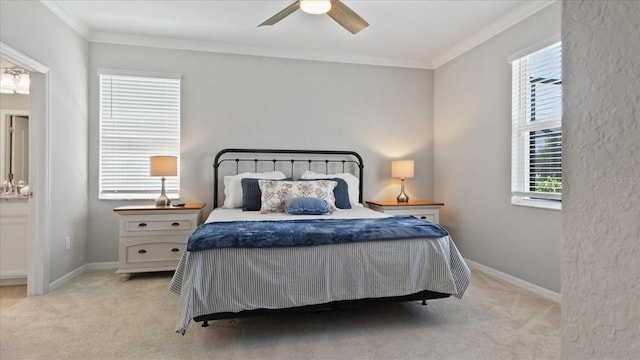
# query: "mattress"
237,279
357,212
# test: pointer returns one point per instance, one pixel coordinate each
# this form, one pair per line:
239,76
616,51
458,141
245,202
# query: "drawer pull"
142,225
175,224
423,217
175,250
142,251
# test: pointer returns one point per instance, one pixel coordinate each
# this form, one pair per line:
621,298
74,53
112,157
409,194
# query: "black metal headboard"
286,160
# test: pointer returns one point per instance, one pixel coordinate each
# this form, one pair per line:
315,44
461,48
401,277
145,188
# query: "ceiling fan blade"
346,17
282,14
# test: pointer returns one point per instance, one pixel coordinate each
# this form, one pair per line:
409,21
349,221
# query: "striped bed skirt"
230,280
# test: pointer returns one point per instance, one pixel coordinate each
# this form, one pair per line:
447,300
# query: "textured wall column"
601,178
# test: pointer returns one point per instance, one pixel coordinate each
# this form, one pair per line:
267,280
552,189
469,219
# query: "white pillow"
353,183
233,186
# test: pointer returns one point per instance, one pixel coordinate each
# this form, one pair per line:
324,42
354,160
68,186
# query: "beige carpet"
95,316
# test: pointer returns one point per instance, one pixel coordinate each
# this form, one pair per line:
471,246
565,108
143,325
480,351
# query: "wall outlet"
67,242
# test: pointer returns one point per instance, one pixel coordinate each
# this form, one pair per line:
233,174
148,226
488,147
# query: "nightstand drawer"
139,225
154,238
151,252
426,217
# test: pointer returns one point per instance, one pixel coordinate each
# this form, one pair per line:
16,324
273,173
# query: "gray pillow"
251,194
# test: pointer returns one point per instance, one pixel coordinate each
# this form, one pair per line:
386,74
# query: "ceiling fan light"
315,6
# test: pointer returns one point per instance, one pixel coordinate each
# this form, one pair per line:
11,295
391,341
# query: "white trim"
520,13
61,11
515,16
39,170
21,60
540,291
13,280
536,203
275,52
81,269
67,277
102,71
539,46
3,114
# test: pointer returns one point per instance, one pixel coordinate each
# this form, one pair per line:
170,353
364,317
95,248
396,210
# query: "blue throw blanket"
288,233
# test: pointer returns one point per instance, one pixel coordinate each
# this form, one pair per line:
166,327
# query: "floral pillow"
233,186
353,183
276,192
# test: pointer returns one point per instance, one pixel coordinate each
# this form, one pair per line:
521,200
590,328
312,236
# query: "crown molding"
19,59
511,18
522,12
286,53
61,11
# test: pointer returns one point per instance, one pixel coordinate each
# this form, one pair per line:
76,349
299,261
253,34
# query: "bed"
253,257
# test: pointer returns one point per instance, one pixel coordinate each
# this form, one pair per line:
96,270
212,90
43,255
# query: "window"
139,117
536,136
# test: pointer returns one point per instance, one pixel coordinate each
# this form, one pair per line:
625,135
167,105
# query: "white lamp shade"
402,168
315,6
163,166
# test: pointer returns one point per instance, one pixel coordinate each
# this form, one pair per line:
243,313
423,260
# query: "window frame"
148,187
523,126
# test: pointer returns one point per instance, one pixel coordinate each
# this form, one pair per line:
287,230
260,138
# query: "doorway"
14,174
38,169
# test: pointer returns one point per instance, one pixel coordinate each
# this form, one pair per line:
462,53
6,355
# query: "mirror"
14,133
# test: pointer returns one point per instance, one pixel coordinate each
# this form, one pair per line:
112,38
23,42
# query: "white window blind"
139,118
536,169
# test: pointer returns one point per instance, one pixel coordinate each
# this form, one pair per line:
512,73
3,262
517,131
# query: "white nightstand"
154,238
421,209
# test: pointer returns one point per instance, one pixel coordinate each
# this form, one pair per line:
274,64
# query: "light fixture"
163,166
315,6
7,85
23,85
402,169
14,81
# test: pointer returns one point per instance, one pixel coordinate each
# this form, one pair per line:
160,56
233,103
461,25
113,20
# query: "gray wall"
32,29
245,101
472,160
601,157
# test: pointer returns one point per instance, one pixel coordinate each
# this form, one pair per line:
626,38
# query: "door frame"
39,169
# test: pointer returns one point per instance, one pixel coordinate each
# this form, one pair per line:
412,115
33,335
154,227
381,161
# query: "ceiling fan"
338,11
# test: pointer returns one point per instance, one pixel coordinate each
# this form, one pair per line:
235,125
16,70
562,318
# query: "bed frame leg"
205,323
424,302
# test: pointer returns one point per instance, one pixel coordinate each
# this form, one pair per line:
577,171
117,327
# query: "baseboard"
14,279
66,277
540,291
91,266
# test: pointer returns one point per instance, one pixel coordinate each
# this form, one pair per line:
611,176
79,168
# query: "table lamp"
402,169
163,166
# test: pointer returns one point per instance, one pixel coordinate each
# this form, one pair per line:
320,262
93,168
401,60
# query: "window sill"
134,197
536,203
